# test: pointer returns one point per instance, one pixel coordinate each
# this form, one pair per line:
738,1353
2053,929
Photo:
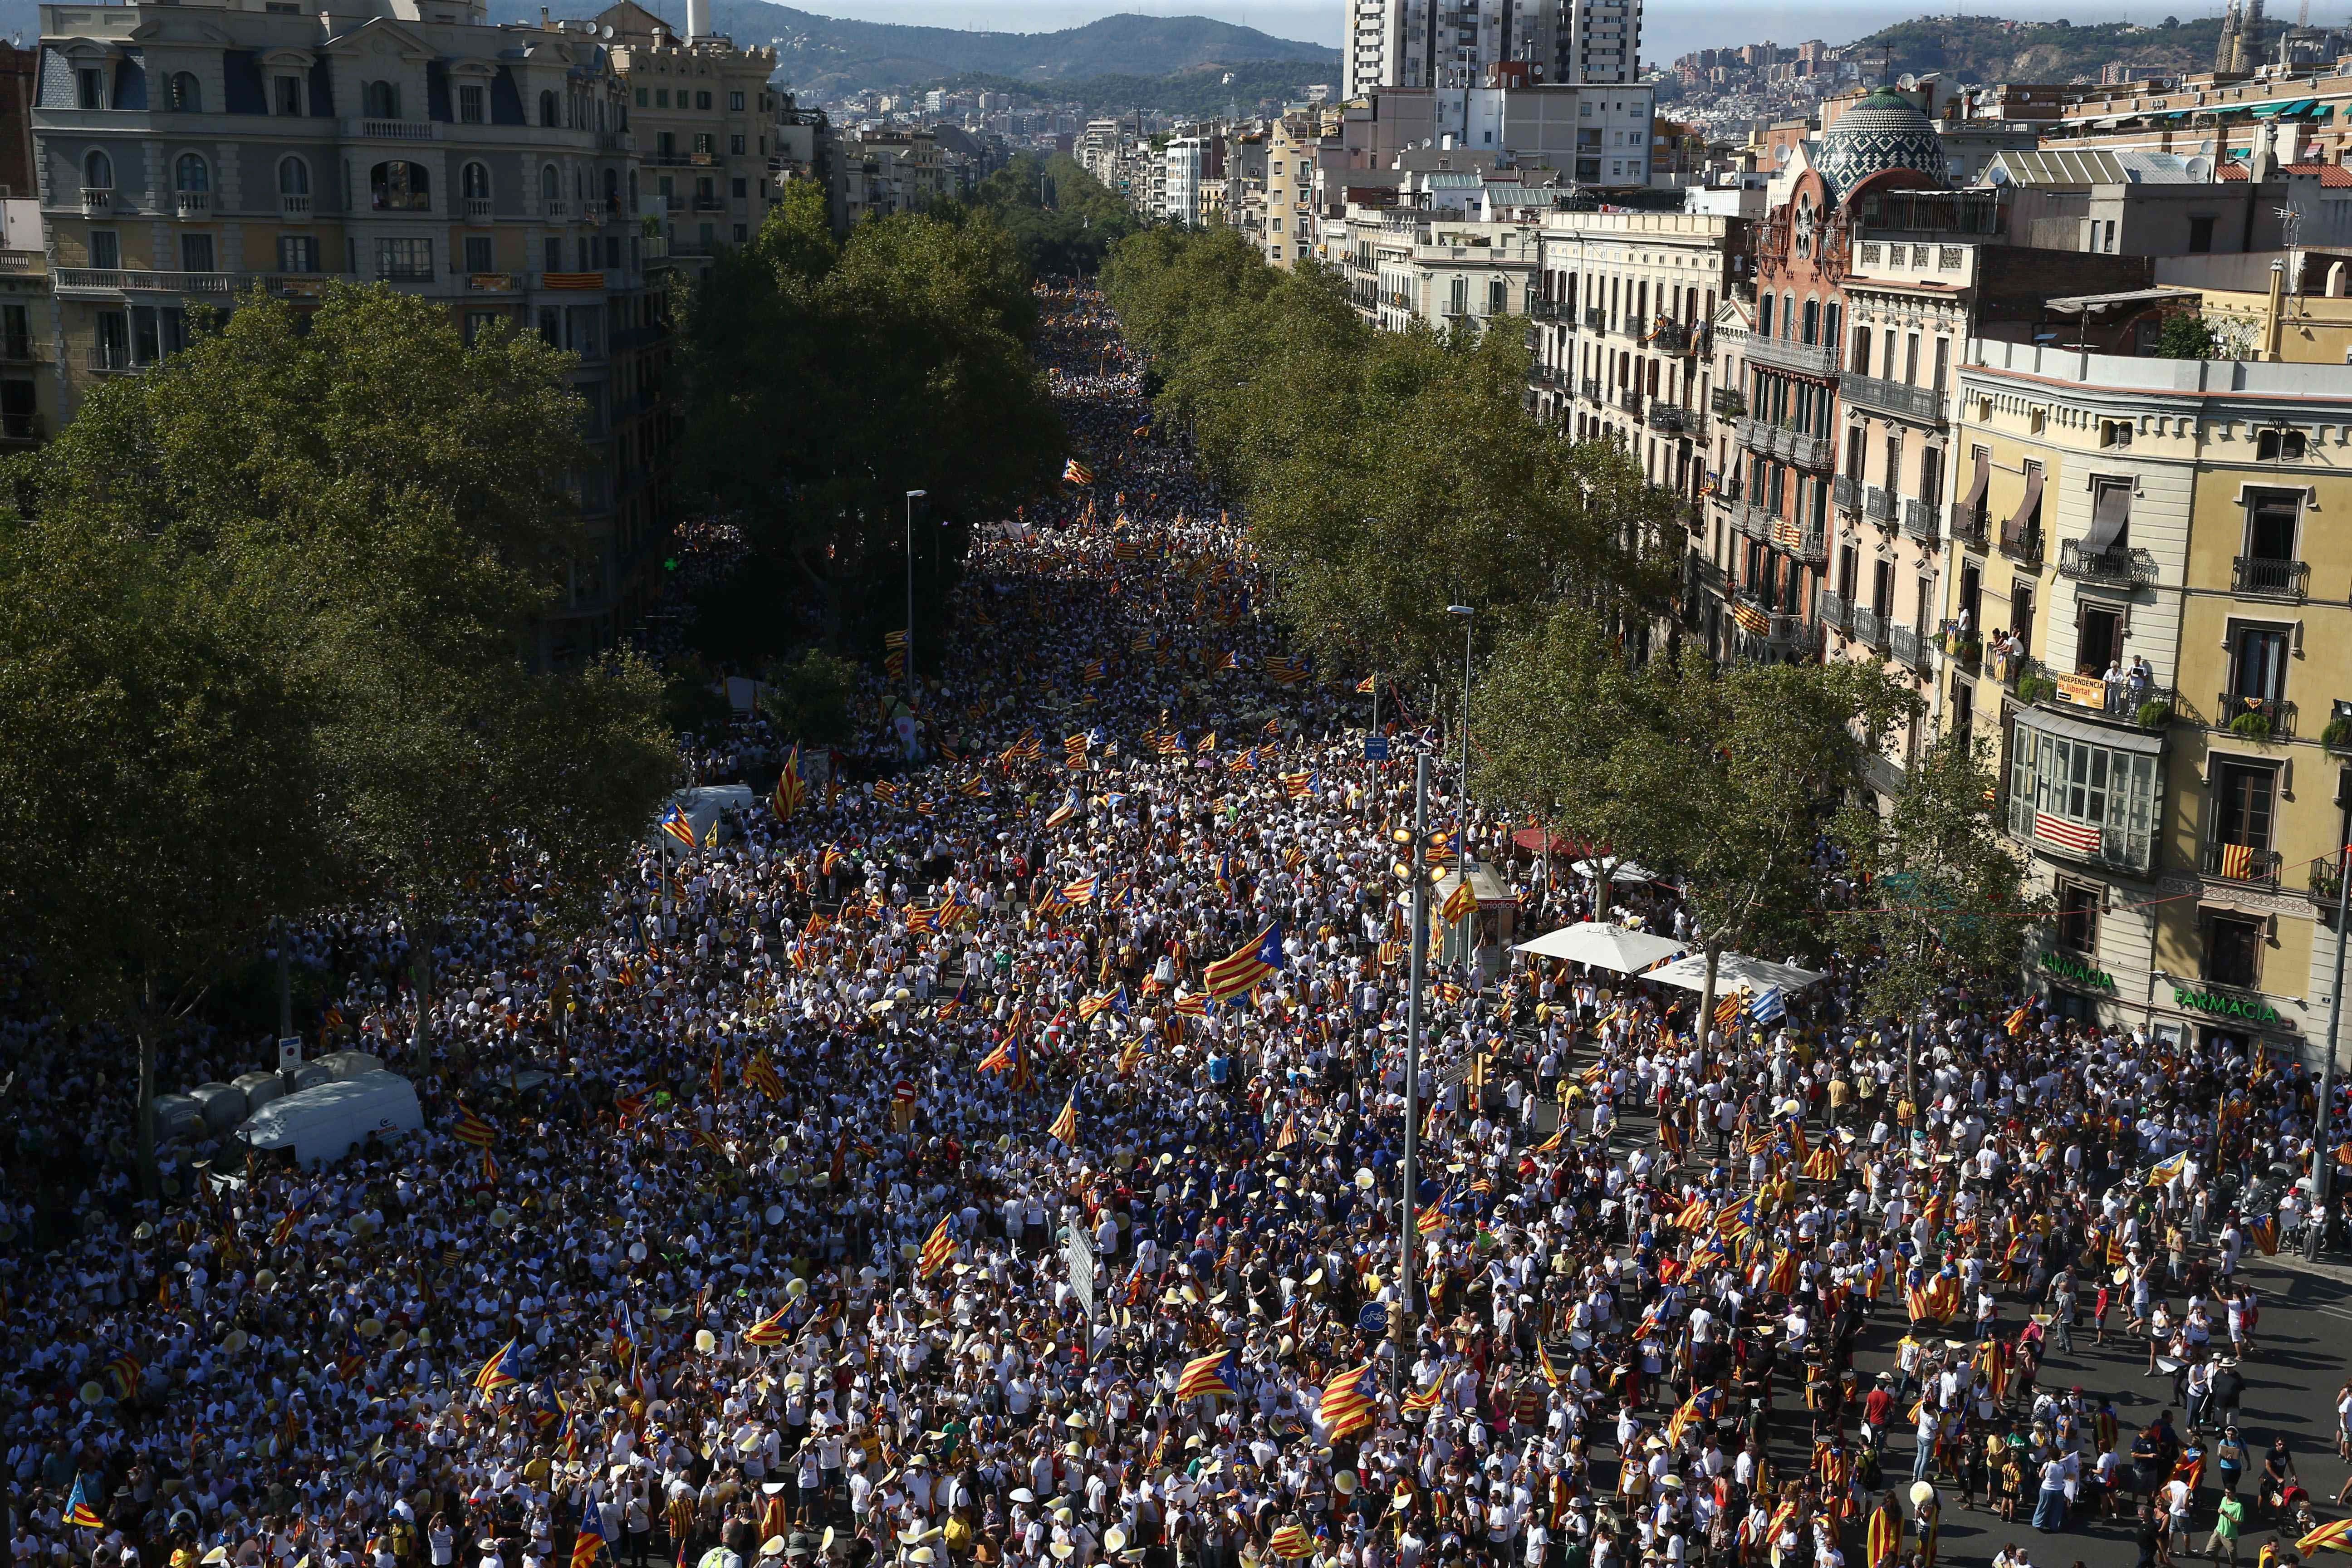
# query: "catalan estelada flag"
679,826
769,1331
77,1509
1346,1403
2334,1536
1367,685
1460,904
1210,1376
586,1547
1081,891
283,1231
1285,671
1423,1400
1296,785
938,1249
1237,972
2264,1232
791,793
1077,473
494,1373
1066,1126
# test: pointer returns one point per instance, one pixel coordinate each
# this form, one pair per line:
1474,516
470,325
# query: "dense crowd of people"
997,1160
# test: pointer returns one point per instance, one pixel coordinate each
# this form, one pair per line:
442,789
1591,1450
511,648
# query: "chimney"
697,19
544,19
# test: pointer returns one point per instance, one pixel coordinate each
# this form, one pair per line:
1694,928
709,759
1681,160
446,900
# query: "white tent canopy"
1625,871
1732,971
1603,946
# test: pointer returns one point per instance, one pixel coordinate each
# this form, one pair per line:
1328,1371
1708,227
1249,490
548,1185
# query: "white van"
325,1122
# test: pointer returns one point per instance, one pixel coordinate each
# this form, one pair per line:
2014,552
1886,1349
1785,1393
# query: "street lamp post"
912,497
1414,870
1466,613
2323,1154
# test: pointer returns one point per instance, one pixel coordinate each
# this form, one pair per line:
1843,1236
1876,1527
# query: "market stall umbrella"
1624,871
1732,971
1537,841
1605,946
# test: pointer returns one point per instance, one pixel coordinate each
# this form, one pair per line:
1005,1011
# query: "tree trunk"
420,967
1706,1009
149,1182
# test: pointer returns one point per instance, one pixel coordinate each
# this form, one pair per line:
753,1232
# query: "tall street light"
1462,845
912,497
1412,873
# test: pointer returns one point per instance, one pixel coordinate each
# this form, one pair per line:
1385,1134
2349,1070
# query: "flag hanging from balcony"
2074,835
2237,862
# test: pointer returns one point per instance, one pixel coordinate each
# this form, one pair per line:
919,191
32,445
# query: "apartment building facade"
1471,43
1622,328
188,154
2156,651
705,125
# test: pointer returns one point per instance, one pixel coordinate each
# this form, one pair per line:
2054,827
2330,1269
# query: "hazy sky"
1671,26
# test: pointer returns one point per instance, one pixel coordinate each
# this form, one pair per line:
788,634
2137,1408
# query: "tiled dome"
1883,130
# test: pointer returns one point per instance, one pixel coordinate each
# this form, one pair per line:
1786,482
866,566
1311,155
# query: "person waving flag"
1237,972
680,826
494,1374
1066,1126
77,1509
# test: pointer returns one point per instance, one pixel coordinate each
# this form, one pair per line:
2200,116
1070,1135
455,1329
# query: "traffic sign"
1376,748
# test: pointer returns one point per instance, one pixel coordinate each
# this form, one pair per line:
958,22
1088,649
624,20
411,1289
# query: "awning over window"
2117,736
1977,481
2110,515
2027,508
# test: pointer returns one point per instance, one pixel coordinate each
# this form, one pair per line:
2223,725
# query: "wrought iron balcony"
1728,401
1919,519
1812,452
1670,338
1786,354
1629,399
1753,434
1590,389
2117,564
1909,646
1920,404
1595,318
2262,577
1878,504
1869,626
2241,863
1835,611
2261,718
1752,520
1845,493
1969,523
1542,309
1666,417
2022,544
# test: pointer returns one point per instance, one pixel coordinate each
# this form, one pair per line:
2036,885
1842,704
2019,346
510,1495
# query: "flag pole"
2323,1151
1409,1242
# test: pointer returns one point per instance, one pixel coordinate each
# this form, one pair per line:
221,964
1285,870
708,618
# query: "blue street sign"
1374,1320
1376,748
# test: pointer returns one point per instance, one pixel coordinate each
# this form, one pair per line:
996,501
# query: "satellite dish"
2200,171
1906,81
1997,175
606,30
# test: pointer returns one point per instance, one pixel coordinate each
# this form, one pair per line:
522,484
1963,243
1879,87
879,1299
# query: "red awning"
1533,840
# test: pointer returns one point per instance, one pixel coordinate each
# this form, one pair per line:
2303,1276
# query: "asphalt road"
2303,1353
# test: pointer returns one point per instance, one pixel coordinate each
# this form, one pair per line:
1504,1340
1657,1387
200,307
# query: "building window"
548,115
473,103
2200,235
474,181
196,253
293,177
550,189
410,258
735,144
735,102
2078,916
2279,446
297,253
183,93
286,95
191,174
379,100
2114,433
90,89
478,253
98,173
400,186
2082,798
702,100
2233,945
105,250
2258,661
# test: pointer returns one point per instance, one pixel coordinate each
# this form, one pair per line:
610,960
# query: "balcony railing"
1878,504
2265,578
1919,519
2117,564
1666,417
1835,612
293,204
2261,717
2125,700
2022,544
1670,338
1753,434
1922,404
193,204
1786,354
1595,318
1589,387
1969,524
1812,451
1629,399
1908,646
391,130
1752,520
478,207
96,203
1727,401
1846,492
2241,863
1869,626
